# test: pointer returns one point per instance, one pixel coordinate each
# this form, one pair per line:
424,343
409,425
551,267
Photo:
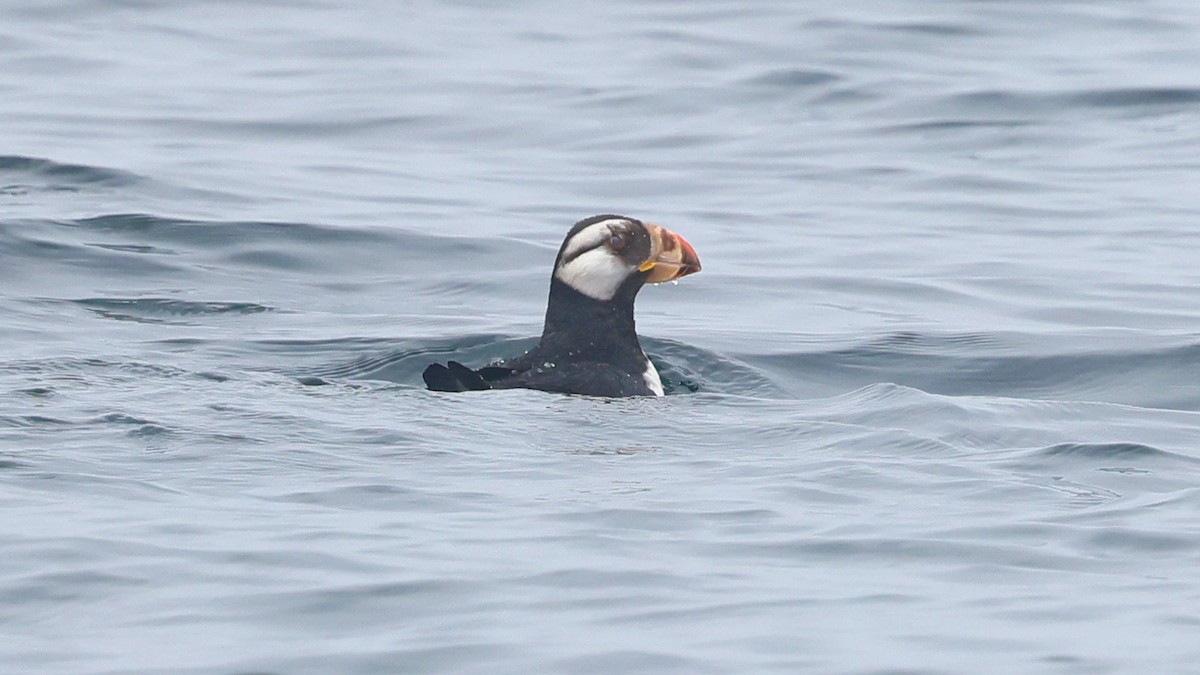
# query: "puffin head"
604,254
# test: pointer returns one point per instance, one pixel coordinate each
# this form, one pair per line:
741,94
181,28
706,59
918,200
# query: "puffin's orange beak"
671,256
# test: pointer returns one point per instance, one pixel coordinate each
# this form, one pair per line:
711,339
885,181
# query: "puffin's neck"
588,327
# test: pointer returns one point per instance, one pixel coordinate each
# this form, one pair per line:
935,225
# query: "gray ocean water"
935,398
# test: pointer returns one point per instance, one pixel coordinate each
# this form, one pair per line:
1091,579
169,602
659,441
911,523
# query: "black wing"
454,376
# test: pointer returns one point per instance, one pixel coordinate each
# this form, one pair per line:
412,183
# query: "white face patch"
597,273
653,381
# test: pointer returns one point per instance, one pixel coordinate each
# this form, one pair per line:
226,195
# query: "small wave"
153,310
36,392
1127,97
21,421
135,248
1143,541
184,253
1104,451
30,174
794,77
1124,457
1022,106
8,464
119,418
222,233
915,343
941,29
951,125
981,364
70,367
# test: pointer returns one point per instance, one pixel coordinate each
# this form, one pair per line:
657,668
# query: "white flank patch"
652,379
597,273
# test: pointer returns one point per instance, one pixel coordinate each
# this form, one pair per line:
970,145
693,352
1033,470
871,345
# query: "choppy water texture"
936,395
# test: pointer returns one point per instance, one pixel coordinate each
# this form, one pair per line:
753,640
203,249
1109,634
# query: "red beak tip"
691,261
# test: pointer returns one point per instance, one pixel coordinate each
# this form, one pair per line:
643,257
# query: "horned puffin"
589,345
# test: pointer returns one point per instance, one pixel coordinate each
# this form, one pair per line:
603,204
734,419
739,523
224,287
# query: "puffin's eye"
617,241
